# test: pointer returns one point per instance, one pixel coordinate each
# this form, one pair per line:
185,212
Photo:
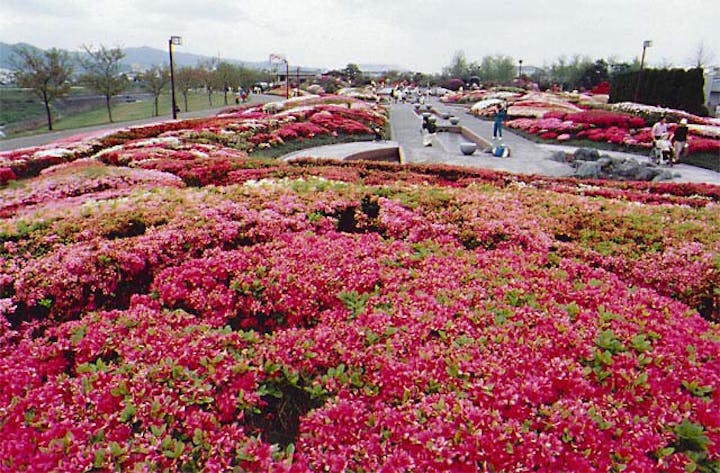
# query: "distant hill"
140,57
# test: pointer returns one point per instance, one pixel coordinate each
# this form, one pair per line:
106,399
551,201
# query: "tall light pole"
519,68
646,44
276,58
174,40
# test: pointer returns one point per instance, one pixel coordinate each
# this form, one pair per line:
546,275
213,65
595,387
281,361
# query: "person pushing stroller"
662,151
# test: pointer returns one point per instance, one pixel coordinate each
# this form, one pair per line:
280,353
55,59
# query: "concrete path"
526,157
354,150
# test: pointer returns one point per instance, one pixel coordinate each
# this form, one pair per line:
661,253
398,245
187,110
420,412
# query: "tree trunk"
49,115
109,109
185,98
157,113
210,98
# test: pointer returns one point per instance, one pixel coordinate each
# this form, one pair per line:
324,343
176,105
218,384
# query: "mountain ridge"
144,57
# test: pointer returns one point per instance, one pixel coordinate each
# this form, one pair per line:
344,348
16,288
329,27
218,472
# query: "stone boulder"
590,164
586,154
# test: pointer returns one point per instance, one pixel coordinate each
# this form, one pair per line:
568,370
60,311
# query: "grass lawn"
121,112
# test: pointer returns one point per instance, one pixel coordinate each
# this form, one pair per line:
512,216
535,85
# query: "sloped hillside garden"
169,303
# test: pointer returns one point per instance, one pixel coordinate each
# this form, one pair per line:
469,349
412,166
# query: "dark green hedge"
673,88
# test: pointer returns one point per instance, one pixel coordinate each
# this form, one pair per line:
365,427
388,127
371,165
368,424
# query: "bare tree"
154,81
46,73
103,73
703,55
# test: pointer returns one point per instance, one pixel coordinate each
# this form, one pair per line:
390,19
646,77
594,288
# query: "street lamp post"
276,58
174,40
519,68
646,44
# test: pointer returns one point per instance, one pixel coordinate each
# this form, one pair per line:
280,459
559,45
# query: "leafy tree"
47,74
207,79
185,79
225,77
594,74
496,68
459,67
103,73
352,73
567,73
154,81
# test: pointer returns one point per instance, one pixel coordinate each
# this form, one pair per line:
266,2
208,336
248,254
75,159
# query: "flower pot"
454,120
445,115
417,106
426,115
468,148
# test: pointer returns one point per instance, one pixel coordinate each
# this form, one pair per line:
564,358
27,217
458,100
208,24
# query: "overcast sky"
421,35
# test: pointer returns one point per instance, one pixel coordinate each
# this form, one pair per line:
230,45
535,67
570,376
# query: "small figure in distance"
500,117
679,140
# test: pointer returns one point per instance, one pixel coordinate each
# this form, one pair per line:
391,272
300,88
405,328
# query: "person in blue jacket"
500,117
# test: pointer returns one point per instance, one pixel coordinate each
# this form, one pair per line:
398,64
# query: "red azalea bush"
603,88
322,316
6,174
604,119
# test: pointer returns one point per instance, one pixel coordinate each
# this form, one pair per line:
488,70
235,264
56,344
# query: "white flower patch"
273,107
709,131
53,152
483,104
170,141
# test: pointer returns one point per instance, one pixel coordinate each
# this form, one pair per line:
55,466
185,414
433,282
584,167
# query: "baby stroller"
661,152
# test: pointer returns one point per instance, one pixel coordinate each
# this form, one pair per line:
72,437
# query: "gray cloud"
420,34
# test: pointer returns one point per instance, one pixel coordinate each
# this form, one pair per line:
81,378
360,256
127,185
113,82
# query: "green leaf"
697,390
641,344
690,437
99,460
608,341
78,334
128,412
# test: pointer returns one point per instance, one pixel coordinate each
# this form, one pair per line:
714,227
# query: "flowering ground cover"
572,116
323,316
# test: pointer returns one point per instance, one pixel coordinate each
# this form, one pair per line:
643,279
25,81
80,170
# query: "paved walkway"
527,157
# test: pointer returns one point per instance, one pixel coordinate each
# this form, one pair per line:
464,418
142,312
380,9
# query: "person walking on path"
500,117
679,139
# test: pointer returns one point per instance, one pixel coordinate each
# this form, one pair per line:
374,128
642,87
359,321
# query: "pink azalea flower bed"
562,117
324,316
609,127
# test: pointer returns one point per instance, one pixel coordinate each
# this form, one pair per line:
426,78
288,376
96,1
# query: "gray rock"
646,173
560,157
586,154
605,161
589,170
628,169
663,176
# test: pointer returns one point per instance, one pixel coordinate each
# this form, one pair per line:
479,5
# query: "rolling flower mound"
324,316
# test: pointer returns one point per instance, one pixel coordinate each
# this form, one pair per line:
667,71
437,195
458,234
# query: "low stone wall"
390,155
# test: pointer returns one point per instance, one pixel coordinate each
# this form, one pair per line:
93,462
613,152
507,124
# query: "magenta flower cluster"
323,316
